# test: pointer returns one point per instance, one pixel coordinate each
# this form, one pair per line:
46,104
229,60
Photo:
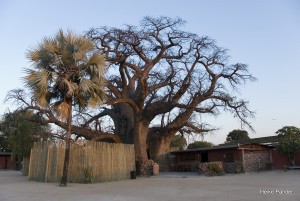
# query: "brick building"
5,160
237,157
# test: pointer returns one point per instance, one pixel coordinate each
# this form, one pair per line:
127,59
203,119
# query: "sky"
261,33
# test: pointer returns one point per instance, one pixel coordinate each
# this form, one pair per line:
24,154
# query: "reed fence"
106,161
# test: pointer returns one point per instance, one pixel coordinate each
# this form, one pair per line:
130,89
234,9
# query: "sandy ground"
270,185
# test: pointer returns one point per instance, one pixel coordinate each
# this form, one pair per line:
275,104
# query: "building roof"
232,146
5,153
210,148
260,140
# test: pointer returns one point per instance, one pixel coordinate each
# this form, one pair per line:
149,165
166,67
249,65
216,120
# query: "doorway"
204,157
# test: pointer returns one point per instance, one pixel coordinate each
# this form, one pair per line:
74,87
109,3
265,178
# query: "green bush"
200,144
269,166
88,174
215,169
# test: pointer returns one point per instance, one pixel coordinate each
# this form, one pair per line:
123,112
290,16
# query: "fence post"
48,165
29,171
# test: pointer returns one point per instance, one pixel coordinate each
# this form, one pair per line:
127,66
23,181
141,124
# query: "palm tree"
66,72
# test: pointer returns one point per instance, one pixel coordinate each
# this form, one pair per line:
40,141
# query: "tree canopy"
289,141
237,135
178,141
19,131
200,144
160,80
166,74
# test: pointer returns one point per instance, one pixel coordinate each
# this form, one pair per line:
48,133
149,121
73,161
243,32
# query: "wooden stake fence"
107,161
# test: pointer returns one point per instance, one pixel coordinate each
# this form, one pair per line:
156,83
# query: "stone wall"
256,161
187,166
155,171
232,168
146,168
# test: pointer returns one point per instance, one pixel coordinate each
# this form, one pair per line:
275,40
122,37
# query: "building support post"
243,161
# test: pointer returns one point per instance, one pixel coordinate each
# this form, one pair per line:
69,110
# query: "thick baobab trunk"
64,177
131,129
124,122
140,137
159,146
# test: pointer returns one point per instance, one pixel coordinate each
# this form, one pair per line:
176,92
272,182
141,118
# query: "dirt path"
271,185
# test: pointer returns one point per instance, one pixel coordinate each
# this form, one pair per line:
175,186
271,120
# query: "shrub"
215,169
88,174
269,166
237,171
211,169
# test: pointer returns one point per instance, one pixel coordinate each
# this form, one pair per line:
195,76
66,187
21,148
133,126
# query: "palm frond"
97,60
66,67
38,81
62,110
85,85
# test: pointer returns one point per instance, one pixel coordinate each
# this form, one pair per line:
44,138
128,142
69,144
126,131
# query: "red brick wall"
6,161
297,158
180,156
213,155
218,155
279,159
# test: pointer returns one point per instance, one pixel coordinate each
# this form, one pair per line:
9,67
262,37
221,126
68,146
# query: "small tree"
18,132
67,72
236,135
200,144
178,141
4,145
289,141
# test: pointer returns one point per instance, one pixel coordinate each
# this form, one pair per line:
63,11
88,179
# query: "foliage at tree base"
88,175
144,167
211,169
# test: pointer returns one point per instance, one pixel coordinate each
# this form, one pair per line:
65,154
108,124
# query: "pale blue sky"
261,33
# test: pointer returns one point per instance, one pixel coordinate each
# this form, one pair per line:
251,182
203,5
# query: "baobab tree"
159,71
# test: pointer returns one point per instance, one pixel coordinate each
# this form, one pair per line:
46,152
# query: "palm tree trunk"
64,177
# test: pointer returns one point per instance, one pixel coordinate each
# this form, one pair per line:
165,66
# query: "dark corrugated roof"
5,153
232,146
260,140
210,148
